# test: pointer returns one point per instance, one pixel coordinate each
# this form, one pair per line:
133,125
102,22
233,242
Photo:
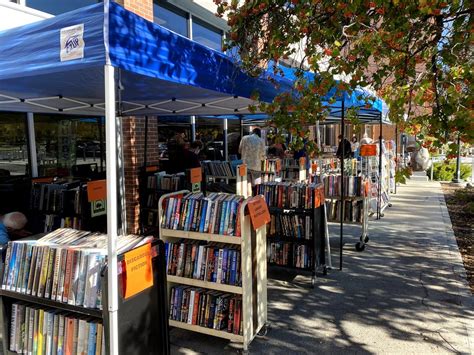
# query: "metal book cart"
103,60
252,245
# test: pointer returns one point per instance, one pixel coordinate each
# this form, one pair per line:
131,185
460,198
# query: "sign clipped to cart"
195,175
97,196
259,214
138,274
368,150
242,170
72,42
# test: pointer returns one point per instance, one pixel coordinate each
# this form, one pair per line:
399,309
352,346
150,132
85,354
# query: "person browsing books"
11,224
252,150
343,142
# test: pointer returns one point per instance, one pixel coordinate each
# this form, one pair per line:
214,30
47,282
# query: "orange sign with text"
151,168
48,180
96,190
138,274
368,150
259,214
242,170
195,175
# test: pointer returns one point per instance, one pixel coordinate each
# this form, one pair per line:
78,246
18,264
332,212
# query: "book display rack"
62,203
48,311
293,170
217,276
356,203
297,232
271,170
153,184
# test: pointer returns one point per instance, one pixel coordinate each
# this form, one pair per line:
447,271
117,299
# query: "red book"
237,314
231,316
67,275
69,337
196,307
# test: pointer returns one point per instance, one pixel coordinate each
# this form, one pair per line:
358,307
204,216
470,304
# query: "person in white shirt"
365,139
252,150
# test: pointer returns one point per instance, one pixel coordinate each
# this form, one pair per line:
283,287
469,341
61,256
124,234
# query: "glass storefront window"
56,7
207,35
173,19
13,144
67,146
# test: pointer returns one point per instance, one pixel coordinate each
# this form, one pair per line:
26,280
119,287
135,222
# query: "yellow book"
40,332
98,343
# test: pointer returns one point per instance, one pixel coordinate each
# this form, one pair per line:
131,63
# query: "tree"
417,55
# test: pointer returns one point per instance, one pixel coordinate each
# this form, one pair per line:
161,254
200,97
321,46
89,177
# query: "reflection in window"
56,7
13,144
207,35
67,145
171,18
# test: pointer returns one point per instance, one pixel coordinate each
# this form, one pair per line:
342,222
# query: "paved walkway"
405,294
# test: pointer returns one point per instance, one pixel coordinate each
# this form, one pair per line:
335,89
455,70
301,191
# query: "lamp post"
457,178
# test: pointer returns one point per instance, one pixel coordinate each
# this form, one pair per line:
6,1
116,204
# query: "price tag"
366,188
195,175
368,150
196,187
259,214
242,170
96,190
138,274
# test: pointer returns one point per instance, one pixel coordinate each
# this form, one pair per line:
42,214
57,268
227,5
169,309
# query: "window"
207,35
56,7
65,145
170,17
13,144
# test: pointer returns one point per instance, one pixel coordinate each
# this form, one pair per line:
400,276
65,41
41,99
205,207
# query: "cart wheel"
382,215
244,352
389,205
360,246
366,239
313,281
325,270
263,331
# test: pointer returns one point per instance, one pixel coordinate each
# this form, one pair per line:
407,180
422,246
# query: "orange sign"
138,274
368,150
366,188
242,170
259,214
43,179
314,167
195,175
96,190
151,169
318,196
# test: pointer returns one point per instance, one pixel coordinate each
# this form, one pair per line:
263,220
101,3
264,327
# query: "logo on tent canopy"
72,42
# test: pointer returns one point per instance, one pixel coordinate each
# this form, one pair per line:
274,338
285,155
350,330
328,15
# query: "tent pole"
145,148
101,143
379,197
226,143
396,155
341,230
30,124
111,170
193,128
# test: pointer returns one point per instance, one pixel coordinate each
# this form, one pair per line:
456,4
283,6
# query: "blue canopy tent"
103,60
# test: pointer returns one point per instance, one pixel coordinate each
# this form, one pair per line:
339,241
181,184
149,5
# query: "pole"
457,179
193,128
226,143
379,193
341,219
396,155
111,171
30,124
145,148
101,143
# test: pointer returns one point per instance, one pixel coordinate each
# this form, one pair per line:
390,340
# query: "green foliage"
402,174
422,52
446,171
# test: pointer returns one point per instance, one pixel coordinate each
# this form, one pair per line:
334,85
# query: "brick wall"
133,129
144,8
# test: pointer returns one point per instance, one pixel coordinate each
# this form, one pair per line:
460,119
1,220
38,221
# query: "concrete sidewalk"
405,294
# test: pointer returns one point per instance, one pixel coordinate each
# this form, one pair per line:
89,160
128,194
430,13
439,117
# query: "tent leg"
30,124
226,143
111,171
341,220
193,128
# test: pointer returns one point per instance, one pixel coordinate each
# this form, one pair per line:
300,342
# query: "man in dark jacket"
347,148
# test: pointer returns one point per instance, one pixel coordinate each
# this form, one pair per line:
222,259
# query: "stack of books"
270,166
63,266
36,330
353,186
166,182
218,213
209,309
290,255
288,195
213,262
218,168
291,226
353,210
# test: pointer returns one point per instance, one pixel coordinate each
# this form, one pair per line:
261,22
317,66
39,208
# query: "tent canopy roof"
160,72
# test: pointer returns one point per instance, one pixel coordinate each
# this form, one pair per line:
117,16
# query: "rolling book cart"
143,327
297,234
246,298
356,203
293,170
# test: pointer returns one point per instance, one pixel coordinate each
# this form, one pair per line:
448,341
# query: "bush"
445,172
